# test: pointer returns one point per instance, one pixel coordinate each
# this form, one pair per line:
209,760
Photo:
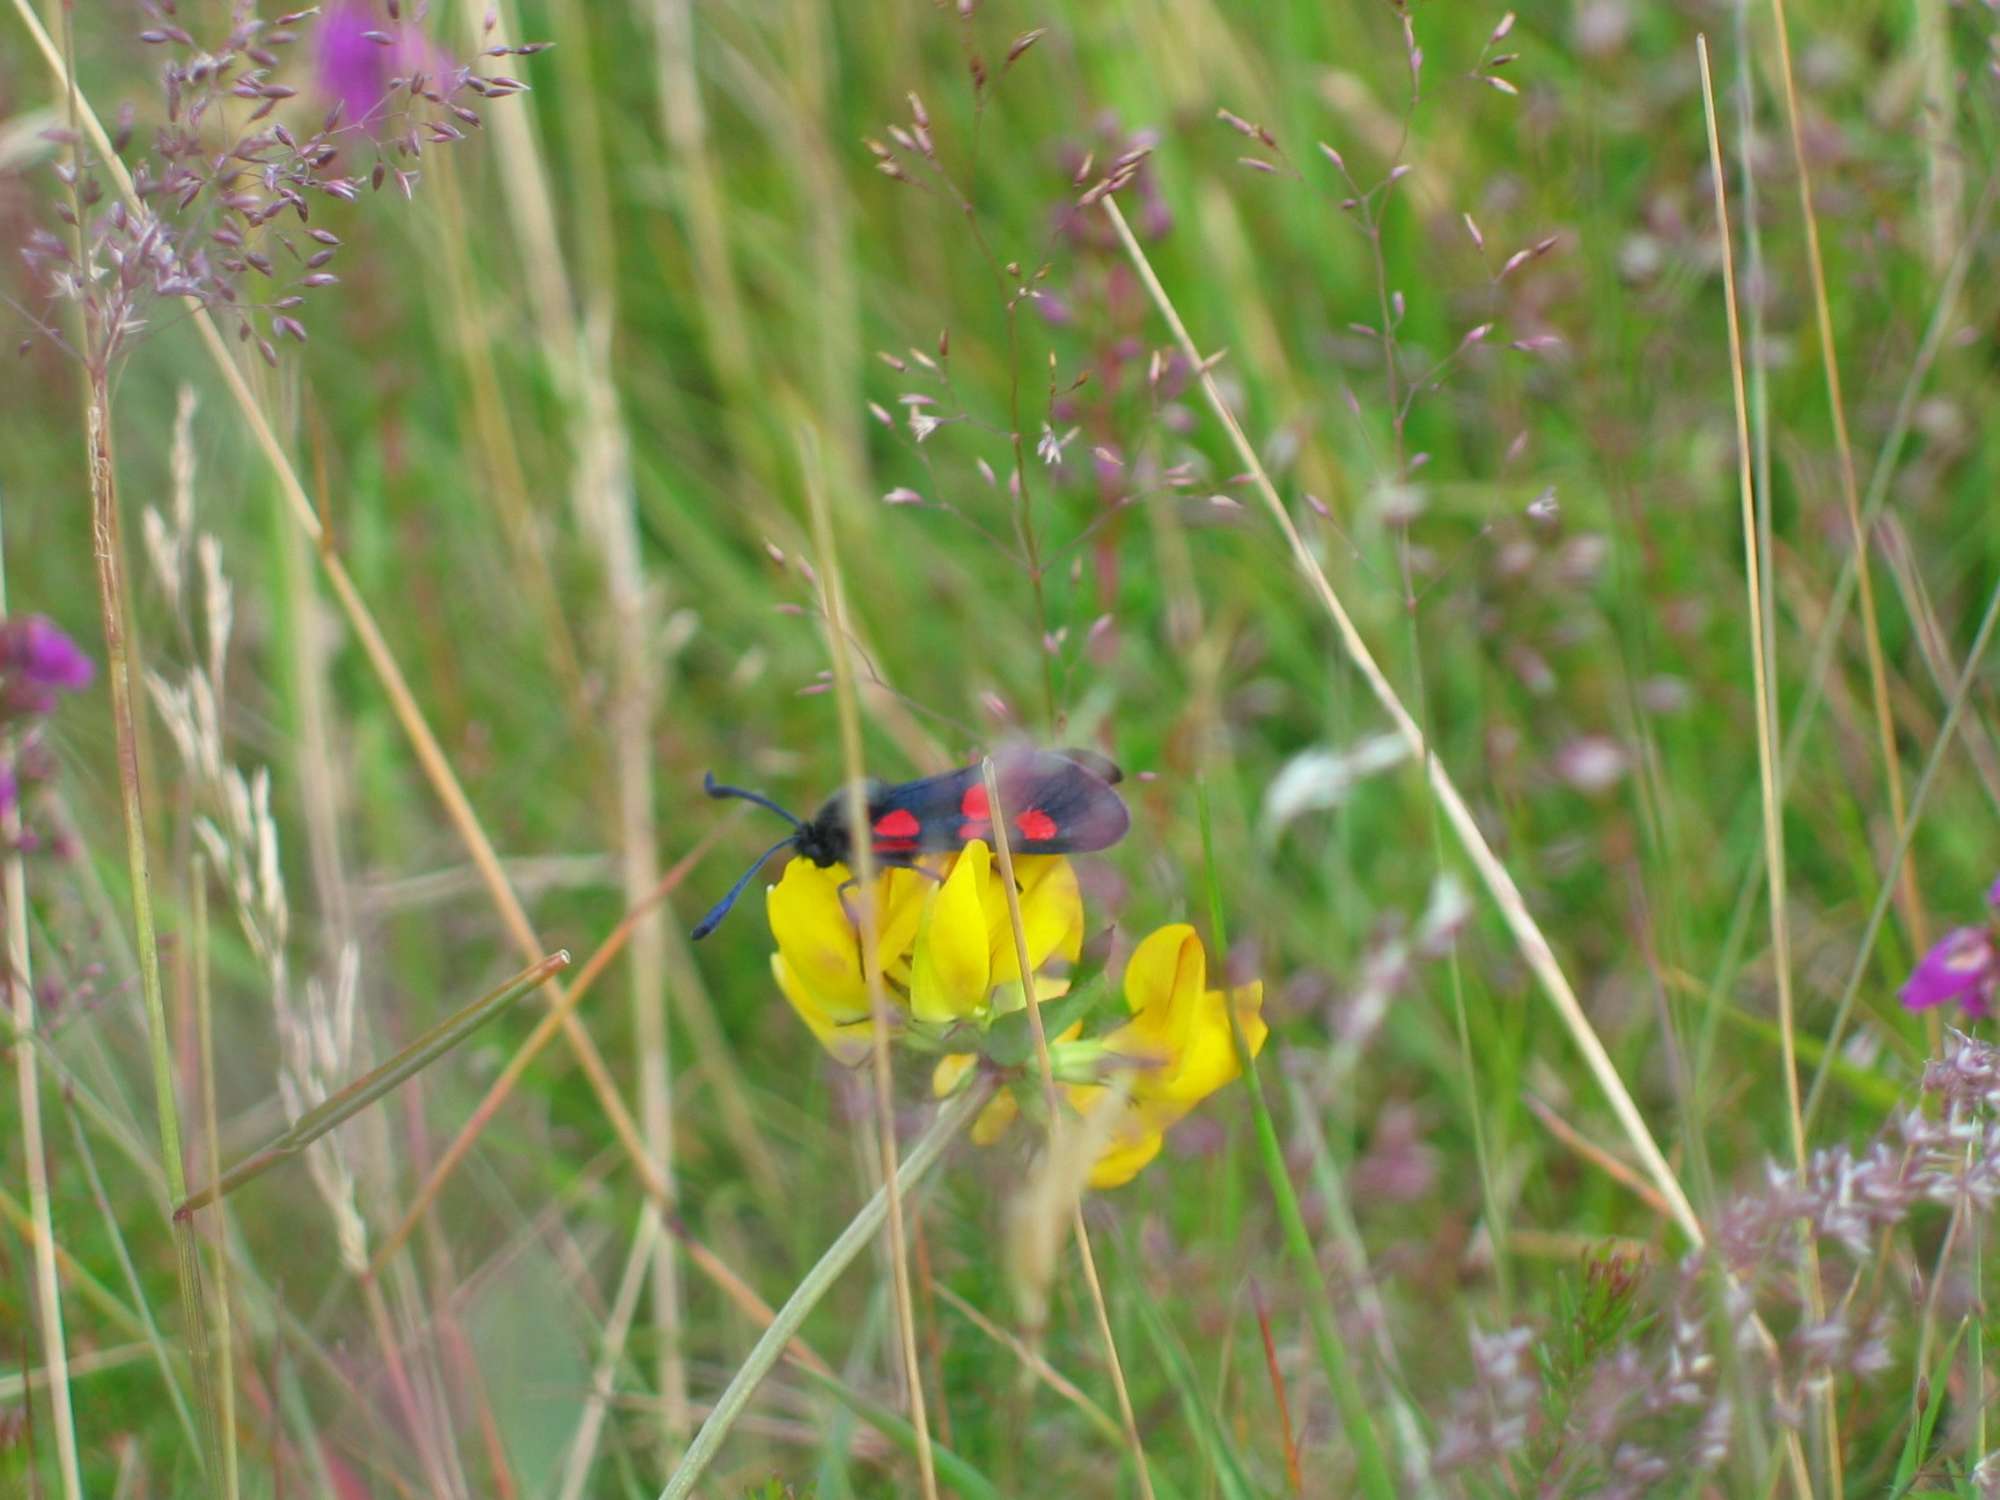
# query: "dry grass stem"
1527,933
1052,1101
430,754
848,706
1878,676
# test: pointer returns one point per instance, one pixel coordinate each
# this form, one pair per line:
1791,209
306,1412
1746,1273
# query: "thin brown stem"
1850,492
223,1355
848,705
1003,848
108,548
1513,908
1767,719
381,658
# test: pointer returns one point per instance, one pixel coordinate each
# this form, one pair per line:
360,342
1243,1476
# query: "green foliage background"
736,262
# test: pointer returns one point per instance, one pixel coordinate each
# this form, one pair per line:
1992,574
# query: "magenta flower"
38,663
361,55
1963,967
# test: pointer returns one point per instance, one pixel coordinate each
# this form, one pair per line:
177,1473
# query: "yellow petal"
1167,968
1051,915
950,974
1163,988
847,1038
899,908
1204,1062
1206,1058
816,938
950,1072
1135,1144
1248,1003
1134,1138
998,1113
994,1120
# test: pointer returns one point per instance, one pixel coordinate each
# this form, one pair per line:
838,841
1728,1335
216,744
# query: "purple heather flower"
1962,967
44,655
38,663
360,54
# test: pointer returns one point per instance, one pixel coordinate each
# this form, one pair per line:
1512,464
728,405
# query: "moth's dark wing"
1101,766
926,815
1057,805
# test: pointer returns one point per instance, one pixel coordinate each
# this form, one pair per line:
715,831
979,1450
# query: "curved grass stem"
1079,1231
847,703
1371,1465
730,1406
1513,908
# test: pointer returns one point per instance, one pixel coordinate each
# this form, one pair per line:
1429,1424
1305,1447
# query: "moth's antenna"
715,788
720,910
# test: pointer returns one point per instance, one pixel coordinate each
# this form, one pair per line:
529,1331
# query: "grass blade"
1371,1467
735,1398
953,1470
378,1081
1513,907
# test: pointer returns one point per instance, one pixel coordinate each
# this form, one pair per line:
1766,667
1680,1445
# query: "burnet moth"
1057,802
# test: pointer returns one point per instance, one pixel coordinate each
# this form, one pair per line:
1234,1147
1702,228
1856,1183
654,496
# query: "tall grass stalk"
617,1328
544,1032
108,547
1767,719
1926,779
1871,633
19,979
1527,933
848,706
224,1353
113,595
1036,1363
1372,1468
148,1327
431,758
1367,1291
1052,1102
73,1271
346,1102
923,1154
1826,641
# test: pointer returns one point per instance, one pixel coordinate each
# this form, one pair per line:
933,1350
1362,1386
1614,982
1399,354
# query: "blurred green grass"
436,427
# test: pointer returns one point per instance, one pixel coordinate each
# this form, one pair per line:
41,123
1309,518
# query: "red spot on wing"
901,825
974,805
1036,825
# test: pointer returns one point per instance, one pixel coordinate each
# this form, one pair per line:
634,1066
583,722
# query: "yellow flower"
944,936
1177,1044
1174,1052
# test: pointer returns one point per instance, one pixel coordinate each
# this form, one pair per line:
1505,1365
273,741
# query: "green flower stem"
1371,1467
378,1081
735,1398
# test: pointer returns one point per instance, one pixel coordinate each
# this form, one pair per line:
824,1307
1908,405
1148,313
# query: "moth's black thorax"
826,838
